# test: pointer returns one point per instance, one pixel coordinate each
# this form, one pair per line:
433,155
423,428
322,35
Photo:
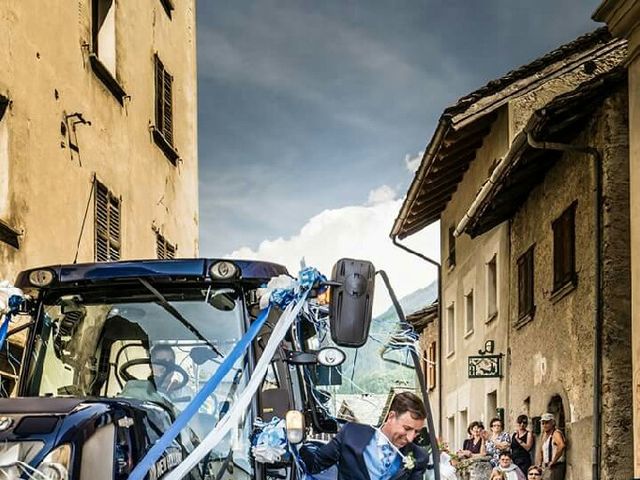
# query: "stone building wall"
606,58
551,357
617,377
472,254
623,19
45,185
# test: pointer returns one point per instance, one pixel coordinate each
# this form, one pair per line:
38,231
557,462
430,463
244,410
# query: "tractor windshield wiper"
176,314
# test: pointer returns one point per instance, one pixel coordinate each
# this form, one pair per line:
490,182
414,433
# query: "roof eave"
444,124
539,120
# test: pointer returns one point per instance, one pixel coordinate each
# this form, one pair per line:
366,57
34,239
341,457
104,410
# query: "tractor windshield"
145,343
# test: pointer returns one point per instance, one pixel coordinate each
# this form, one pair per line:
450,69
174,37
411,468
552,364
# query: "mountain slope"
370,372
409,303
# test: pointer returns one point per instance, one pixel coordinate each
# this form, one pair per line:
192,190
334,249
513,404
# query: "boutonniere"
409,461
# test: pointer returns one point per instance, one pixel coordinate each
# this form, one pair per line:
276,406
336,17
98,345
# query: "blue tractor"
102,358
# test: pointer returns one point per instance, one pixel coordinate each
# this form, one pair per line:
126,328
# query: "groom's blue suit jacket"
346,450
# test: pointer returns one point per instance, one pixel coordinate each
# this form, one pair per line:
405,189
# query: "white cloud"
362,232
412,163
381,195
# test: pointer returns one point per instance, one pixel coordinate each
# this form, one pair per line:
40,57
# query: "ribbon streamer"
226,424
278,296
167,438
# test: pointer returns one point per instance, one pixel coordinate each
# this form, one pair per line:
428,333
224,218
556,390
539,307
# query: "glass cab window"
156,345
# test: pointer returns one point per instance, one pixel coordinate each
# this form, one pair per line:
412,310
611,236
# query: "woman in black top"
474,445
521,444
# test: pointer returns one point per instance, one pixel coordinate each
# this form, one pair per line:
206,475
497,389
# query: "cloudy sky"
312,115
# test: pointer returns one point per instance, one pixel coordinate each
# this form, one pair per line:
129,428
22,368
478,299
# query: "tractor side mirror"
351,301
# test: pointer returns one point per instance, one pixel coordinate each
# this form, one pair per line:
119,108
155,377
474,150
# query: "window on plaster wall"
564,253
451,259
468,313
463,423
526,306
4,159
103,55
163,133
492,288
103,30
492,407
8,234
451,330
107,224
431,366
164,100
526,406
451,427
169,6
164,249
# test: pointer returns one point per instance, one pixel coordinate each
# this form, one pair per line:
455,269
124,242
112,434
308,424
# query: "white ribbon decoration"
232,417
6,291
281,282
271,444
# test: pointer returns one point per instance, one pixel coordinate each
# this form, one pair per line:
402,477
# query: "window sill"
9,235
169,150
468,333
109,81
524,319
562,291
168,6
450,354
491,317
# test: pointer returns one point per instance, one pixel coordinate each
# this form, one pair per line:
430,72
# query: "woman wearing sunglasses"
521,444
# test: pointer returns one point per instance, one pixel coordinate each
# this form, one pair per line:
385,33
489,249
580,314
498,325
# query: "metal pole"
435,451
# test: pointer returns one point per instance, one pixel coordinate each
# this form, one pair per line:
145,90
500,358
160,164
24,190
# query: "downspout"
598,321
394,239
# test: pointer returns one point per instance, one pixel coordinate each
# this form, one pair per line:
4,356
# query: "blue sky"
309,110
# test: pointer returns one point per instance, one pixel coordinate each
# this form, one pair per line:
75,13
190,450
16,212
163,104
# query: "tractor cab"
102,359
112,353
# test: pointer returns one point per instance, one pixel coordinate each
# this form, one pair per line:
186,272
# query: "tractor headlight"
331,357
41,278
224,270
56,464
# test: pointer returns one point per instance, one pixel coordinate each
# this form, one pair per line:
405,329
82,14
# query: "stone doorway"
556,407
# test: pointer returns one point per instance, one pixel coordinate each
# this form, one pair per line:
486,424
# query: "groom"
365,453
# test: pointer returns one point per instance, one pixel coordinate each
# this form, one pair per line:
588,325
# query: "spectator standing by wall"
521,444
552,449
497,441
474,445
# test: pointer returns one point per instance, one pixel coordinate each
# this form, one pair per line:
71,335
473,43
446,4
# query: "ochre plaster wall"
46,74
461,393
